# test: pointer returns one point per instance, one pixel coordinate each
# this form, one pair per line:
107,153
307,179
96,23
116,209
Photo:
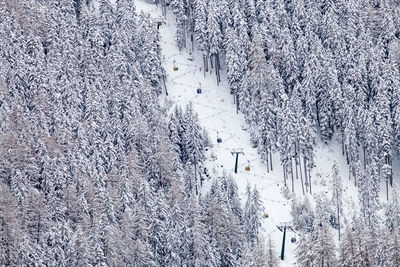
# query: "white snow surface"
217,114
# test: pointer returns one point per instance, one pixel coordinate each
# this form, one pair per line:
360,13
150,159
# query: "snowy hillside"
200,133
218,115
217,112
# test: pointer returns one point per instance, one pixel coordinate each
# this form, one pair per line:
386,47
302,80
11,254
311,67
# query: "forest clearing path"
217,114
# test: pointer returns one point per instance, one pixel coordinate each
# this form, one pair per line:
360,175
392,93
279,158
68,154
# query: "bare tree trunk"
192,40
284,175
309,176
291,172
338,216
365,161
305,173
165,85
296,147
195,176
211,61
267,161
301,176
387,190
205,69
184,33
270,156
302,186
218,65
237,103
217,68
342,144
391,170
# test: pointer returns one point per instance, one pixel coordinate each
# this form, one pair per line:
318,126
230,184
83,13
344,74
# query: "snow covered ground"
217,113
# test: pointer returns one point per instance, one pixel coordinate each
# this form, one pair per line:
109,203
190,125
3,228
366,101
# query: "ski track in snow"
217,114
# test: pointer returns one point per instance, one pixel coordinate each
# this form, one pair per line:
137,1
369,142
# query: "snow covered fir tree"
113,154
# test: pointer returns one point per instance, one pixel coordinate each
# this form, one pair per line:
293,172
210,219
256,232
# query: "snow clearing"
186,82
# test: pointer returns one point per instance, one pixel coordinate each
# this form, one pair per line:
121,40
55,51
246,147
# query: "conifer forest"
198,133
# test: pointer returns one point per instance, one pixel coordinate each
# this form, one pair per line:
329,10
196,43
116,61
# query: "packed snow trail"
217,114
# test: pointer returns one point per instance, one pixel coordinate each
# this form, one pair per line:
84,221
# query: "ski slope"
217,114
